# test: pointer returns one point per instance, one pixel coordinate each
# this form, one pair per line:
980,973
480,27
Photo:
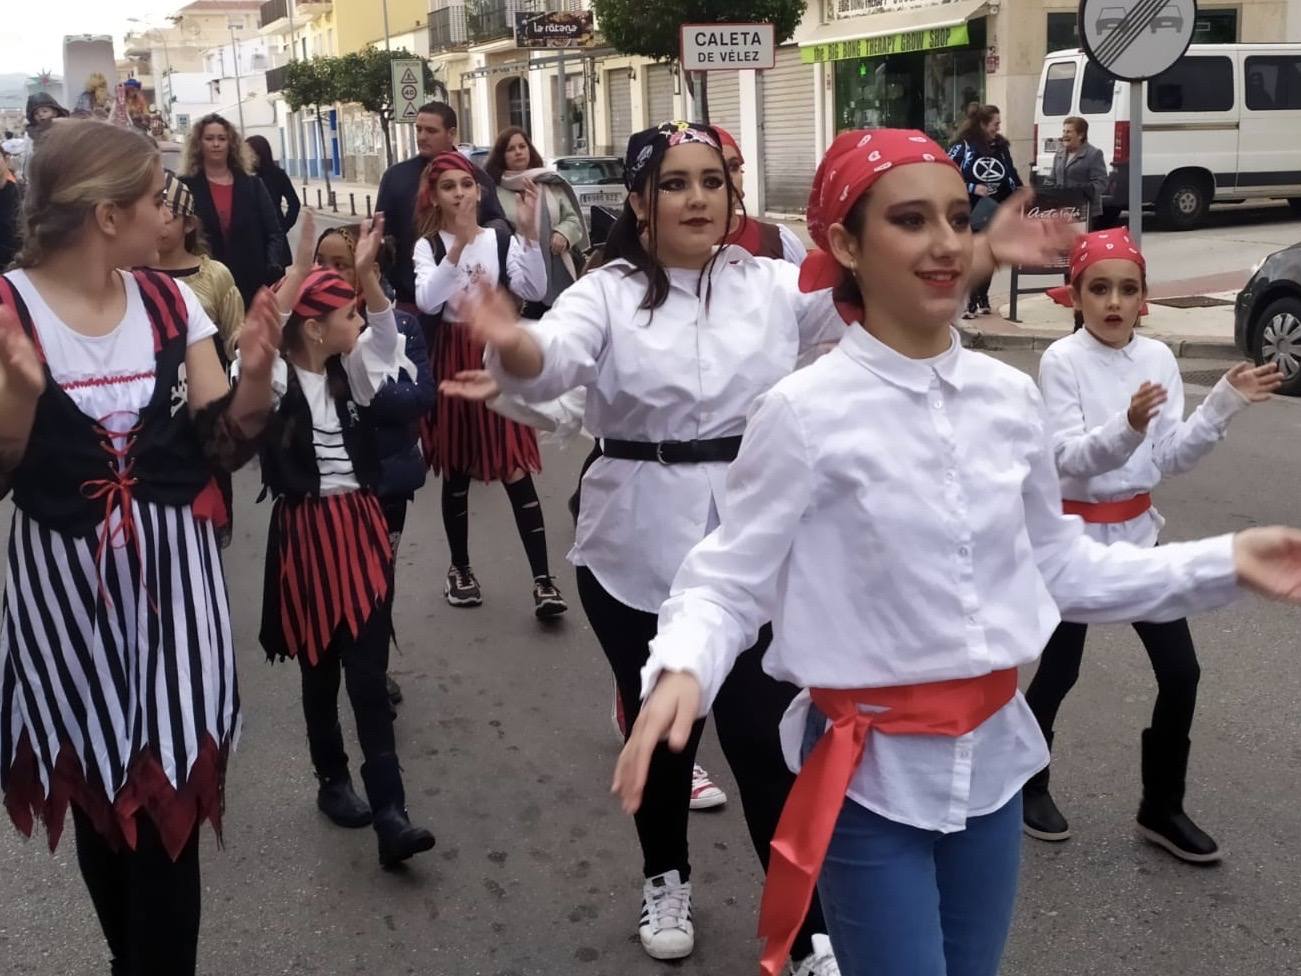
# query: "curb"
1038,341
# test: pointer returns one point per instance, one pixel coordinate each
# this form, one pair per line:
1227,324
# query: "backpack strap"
168,313
9,296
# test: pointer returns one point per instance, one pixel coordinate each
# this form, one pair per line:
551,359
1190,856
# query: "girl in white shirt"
895,511
1115,406
464,439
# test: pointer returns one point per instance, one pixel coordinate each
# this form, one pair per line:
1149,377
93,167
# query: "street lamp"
231,24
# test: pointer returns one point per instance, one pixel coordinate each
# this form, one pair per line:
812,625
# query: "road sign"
727,47
1136,39
408,78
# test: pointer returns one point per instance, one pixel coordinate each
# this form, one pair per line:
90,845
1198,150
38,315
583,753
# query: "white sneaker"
665,929
821,963
704,794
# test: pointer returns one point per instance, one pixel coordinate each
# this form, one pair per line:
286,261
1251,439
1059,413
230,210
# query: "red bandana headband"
321,293
1089,249
444,162
726,139
852,164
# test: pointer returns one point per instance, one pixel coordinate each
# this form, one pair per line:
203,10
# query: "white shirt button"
963,551
950,476
937,404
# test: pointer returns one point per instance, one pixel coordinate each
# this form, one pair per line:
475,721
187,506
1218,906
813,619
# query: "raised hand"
669,713
1145,405
22,377
559,243
1255,383
369,242
491,316
1015,238
1268,560
259,340
471,384
305,252
528,210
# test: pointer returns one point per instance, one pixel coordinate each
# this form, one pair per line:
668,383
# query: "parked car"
1267,316
171,153
597,180
475,154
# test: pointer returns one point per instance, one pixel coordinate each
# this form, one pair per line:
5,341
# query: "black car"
1267,317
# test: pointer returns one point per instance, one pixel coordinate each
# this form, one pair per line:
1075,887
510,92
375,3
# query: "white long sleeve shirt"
441,283
1087,386
689,370
899,521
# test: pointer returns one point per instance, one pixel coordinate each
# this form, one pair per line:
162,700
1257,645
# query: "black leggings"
528,520
148,904
747,714
1174,661
979,297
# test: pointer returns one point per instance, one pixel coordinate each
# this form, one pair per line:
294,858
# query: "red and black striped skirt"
466,437
329,565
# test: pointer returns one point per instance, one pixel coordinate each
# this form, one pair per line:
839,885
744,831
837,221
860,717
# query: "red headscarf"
443,162
854,162
321,293
726,139
1089,249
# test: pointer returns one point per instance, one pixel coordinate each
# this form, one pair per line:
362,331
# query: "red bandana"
440,164
321,293
854,162
726,139
1089,249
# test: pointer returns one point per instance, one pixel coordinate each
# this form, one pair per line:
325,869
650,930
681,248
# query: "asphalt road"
507,745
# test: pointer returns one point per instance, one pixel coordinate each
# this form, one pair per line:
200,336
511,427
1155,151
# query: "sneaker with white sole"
821,962
665,929
705,795
461,588
547,601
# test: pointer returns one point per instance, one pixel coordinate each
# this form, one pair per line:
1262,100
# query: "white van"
1222,124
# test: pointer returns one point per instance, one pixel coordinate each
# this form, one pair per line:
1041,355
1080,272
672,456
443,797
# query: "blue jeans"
900,901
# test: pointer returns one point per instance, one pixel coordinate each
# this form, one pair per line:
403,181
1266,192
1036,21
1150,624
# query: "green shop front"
913,79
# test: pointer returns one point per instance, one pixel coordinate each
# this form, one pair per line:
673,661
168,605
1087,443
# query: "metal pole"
697,97
387,45
565,148
1136,162
293,51
239,103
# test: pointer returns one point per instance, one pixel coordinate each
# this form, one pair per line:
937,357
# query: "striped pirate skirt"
329,566
464,436
117,677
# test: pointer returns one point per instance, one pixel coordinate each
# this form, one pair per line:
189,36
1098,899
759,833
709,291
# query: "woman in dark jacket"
278,185
239,221
985,159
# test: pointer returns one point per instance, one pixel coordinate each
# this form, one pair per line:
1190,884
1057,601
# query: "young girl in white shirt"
895,511
1115,407
464,439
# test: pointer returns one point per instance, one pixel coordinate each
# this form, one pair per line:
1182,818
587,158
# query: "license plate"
602,199
1050,145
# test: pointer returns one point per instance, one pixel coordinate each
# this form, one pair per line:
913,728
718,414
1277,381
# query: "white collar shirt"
689,370
900,522
1087,386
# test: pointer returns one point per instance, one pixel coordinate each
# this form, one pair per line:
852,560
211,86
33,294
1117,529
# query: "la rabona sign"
728,47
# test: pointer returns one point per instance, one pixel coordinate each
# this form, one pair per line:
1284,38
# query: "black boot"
398,838
338,801
1161,817
1040,817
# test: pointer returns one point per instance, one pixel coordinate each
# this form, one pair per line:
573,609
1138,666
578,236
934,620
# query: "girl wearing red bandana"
895,511
1115,407
760,237
328,593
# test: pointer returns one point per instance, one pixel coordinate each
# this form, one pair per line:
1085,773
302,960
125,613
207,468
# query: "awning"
939,26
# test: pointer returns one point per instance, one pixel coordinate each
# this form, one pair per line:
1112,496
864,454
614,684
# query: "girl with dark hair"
895,510
514,164
328,594
279,187
673,337
985,160
117,665
1115,410
466,440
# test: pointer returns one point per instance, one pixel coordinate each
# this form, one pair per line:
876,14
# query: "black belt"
673,452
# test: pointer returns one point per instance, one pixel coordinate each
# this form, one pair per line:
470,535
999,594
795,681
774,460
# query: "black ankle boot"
1040,817
1161,817
398,838
338,801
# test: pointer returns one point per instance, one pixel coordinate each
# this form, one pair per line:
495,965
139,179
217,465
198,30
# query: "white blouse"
689,370
1087,386
899,521
440,283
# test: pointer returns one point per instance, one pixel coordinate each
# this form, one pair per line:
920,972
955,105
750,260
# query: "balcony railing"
276,79
272,11
447,31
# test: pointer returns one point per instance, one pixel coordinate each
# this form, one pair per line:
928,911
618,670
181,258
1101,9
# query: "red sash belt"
1109,512
949,708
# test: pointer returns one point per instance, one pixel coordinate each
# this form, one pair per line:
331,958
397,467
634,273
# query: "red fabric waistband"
808,821
1109,513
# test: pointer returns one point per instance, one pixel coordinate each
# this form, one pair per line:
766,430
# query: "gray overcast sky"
32,31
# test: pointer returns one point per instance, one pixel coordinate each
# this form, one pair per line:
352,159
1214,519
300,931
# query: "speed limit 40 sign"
408,78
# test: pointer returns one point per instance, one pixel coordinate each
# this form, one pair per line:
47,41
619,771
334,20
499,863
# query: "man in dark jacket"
1079,165
435,133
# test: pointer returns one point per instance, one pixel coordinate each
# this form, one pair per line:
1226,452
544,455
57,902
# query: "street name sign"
728,47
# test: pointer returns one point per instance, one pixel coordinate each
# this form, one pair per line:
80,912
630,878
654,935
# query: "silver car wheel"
1281,343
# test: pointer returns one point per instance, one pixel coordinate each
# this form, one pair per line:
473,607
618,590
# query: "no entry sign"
727,47
1136,39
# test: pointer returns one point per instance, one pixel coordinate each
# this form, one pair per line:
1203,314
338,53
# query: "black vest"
68,474
288,455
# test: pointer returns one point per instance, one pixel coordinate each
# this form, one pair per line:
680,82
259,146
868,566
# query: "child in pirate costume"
117,668
328,593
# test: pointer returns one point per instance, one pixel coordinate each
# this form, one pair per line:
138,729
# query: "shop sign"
878,47
554,29
1054,204
728,47
841,9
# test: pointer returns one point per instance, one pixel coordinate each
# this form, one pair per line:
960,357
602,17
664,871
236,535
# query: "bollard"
368,213
318,198
305,201
352,203
334,201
